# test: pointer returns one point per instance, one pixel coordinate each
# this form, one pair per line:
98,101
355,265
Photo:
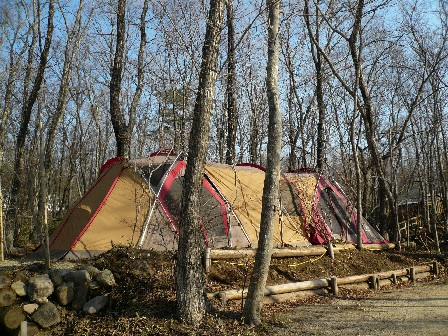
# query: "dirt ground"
143,302
421,309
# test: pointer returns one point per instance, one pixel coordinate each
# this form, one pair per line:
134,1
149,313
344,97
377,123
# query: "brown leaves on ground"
143,302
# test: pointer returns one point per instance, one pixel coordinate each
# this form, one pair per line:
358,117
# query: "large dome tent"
138,203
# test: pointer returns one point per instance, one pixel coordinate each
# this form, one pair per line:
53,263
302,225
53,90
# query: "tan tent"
111,212
139,204
242,188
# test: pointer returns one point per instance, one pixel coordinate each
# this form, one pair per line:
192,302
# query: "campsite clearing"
421,309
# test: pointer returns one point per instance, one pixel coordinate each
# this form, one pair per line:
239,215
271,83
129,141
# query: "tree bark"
254,301
318,65
190,294
121,128
27,108
231,86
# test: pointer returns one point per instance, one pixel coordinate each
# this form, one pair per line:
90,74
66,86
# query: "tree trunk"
190,294
321,141
121,129
231,87
354,138
42,204
140,69
269,210
27,108
71,47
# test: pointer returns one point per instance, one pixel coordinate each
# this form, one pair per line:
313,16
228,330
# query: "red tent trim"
103,202
110,162
106,170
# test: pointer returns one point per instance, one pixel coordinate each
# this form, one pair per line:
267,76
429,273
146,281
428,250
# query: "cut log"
388,246
315,250
384,282
299,252
294,295
297,286
435,268
7,297
422,275
31,329
207,260
390,274
343,247
373,282
331,251
231,254
354,279
11,317
235,294
394,278
216,254
355,286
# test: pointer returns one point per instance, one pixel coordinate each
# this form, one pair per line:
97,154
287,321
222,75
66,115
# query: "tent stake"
207,259
330,250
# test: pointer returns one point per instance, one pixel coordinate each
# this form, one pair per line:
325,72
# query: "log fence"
303,289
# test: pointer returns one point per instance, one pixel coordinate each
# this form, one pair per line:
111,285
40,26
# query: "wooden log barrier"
384,283
387,246
235,294
422,275
356,286
314,250
276,298
364,281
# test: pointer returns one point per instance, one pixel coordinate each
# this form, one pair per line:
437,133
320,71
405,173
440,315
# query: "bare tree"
27,108
190,294
255,295
121,127
319,67
231,86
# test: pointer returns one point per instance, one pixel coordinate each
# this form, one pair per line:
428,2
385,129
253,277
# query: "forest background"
364,103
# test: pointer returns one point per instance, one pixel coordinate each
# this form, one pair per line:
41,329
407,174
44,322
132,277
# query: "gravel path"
421,309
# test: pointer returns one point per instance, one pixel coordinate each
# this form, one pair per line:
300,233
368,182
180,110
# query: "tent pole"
148,218
230,207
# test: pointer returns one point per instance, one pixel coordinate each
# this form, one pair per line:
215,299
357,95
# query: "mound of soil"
143,302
